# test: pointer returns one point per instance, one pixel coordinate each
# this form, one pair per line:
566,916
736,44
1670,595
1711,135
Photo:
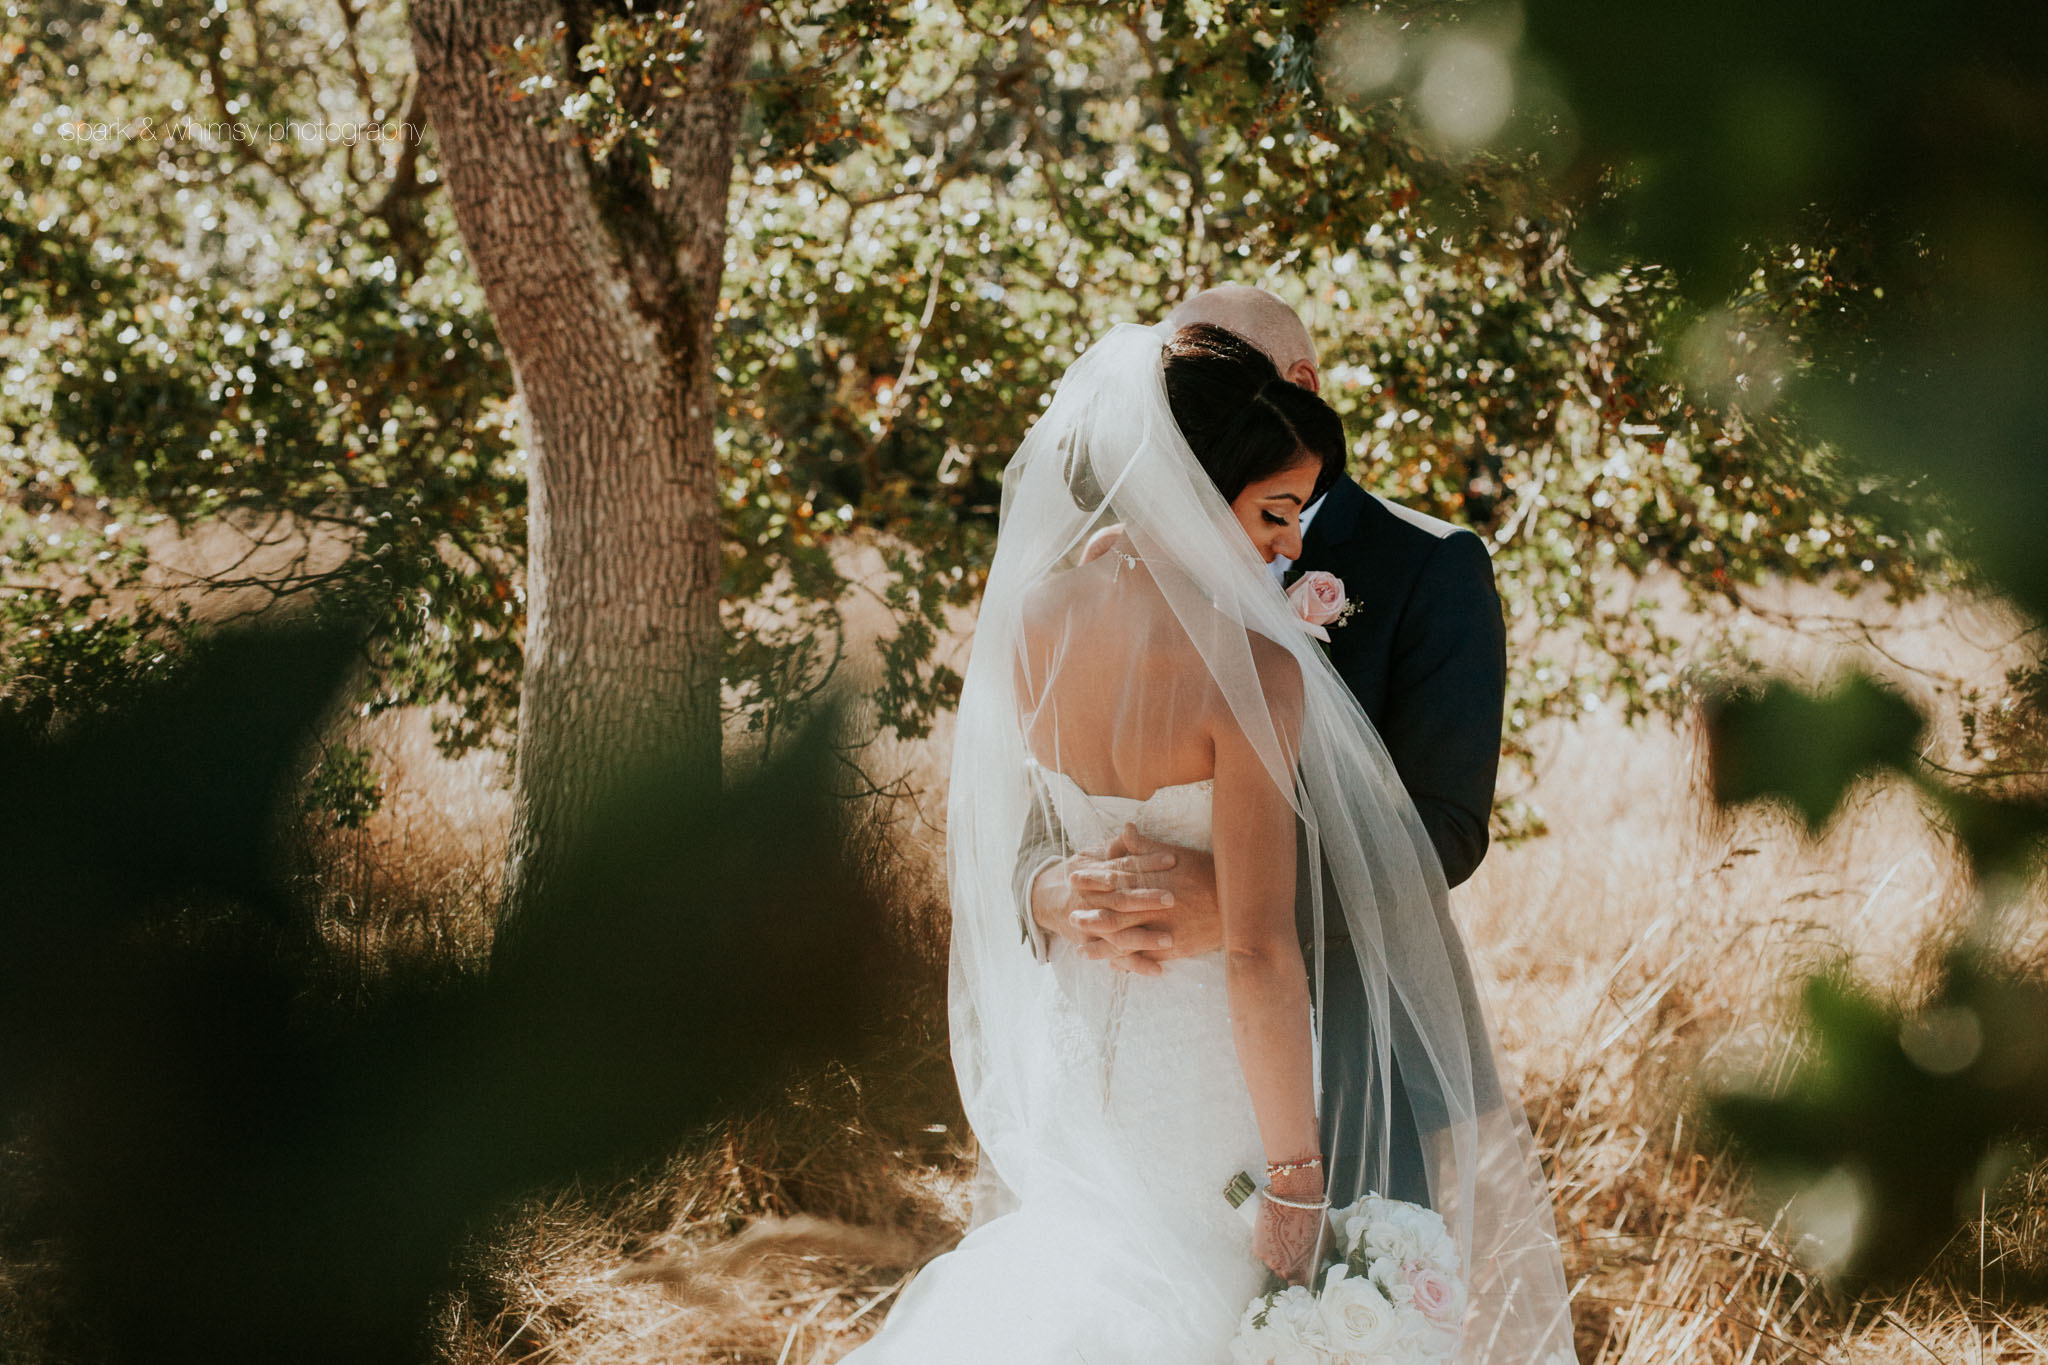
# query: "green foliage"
2007,733
1914,147
239,319
345,785
89,659
1912,150
622,65
919,606
939,204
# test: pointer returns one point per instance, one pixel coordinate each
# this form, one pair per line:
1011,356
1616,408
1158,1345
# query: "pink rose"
1318,599
1438,1297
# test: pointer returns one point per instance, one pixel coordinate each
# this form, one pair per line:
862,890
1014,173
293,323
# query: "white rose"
1390,1239
1401,1231
1357,1319
1432,1239
1388,1273
1379,1227
1292,1335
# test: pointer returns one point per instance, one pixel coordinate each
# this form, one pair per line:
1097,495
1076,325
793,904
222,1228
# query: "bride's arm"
1266,977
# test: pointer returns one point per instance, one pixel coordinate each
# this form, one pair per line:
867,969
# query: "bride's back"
1112,689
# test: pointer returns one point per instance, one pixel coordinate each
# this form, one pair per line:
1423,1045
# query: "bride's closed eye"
1274,518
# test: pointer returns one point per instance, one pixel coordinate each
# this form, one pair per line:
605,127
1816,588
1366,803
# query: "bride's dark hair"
1241,417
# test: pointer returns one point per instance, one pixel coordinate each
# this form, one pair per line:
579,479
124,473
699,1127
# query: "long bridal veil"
1107,451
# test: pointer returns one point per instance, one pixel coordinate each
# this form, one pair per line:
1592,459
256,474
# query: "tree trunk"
604,289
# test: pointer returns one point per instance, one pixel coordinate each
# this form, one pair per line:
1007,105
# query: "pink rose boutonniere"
1318,599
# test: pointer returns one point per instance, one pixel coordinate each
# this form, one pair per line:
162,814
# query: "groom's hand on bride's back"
1135,904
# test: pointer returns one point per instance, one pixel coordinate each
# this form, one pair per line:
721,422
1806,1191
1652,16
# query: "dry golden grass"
1640,947
418,881
1645,946
1637,948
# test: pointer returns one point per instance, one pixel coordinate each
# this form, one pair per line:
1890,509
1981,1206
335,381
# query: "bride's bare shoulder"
1058,606
1279,677
1049,600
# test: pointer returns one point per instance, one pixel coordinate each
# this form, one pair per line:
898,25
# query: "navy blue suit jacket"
1425,654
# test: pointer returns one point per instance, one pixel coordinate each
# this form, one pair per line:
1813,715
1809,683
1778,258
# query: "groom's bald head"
1260,317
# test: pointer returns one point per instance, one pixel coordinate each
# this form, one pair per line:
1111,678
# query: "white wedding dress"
1067,1279
1111,1110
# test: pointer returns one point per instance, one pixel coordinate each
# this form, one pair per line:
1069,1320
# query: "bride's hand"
1182,883
1287,1238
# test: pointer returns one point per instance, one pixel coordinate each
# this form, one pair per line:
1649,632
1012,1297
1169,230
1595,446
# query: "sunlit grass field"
1644,945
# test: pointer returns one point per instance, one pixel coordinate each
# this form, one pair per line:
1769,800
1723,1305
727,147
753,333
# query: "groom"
1425,654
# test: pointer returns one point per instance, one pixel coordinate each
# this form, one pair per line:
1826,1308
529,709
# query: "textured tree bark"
604,289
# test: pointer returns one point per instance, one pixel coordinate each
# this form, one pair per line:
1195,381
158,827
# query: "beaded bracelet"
1310,1163
1295,1203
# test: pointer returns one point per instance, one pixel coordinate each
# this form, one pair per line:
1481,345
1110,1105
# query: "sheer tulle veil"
1107,451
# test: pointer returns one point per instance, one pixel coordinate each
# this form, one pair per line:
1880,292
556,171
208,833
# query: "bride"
1135,663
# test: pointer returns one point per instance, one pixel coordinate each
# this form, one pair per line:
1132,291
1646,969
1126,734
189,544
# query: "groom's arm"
1043,844
1446,691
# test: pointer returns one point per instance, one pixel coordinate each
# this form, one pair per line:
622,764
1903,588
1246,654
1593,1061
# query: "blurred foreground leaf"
2002,835
243,1169
1805,750
1900,1123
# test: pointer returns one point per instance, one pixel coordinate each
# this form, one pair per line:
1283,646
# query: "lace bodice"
1183,813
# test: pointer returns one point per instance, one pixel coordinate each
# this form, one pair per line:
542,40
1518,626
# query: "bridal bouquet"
1392,1295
